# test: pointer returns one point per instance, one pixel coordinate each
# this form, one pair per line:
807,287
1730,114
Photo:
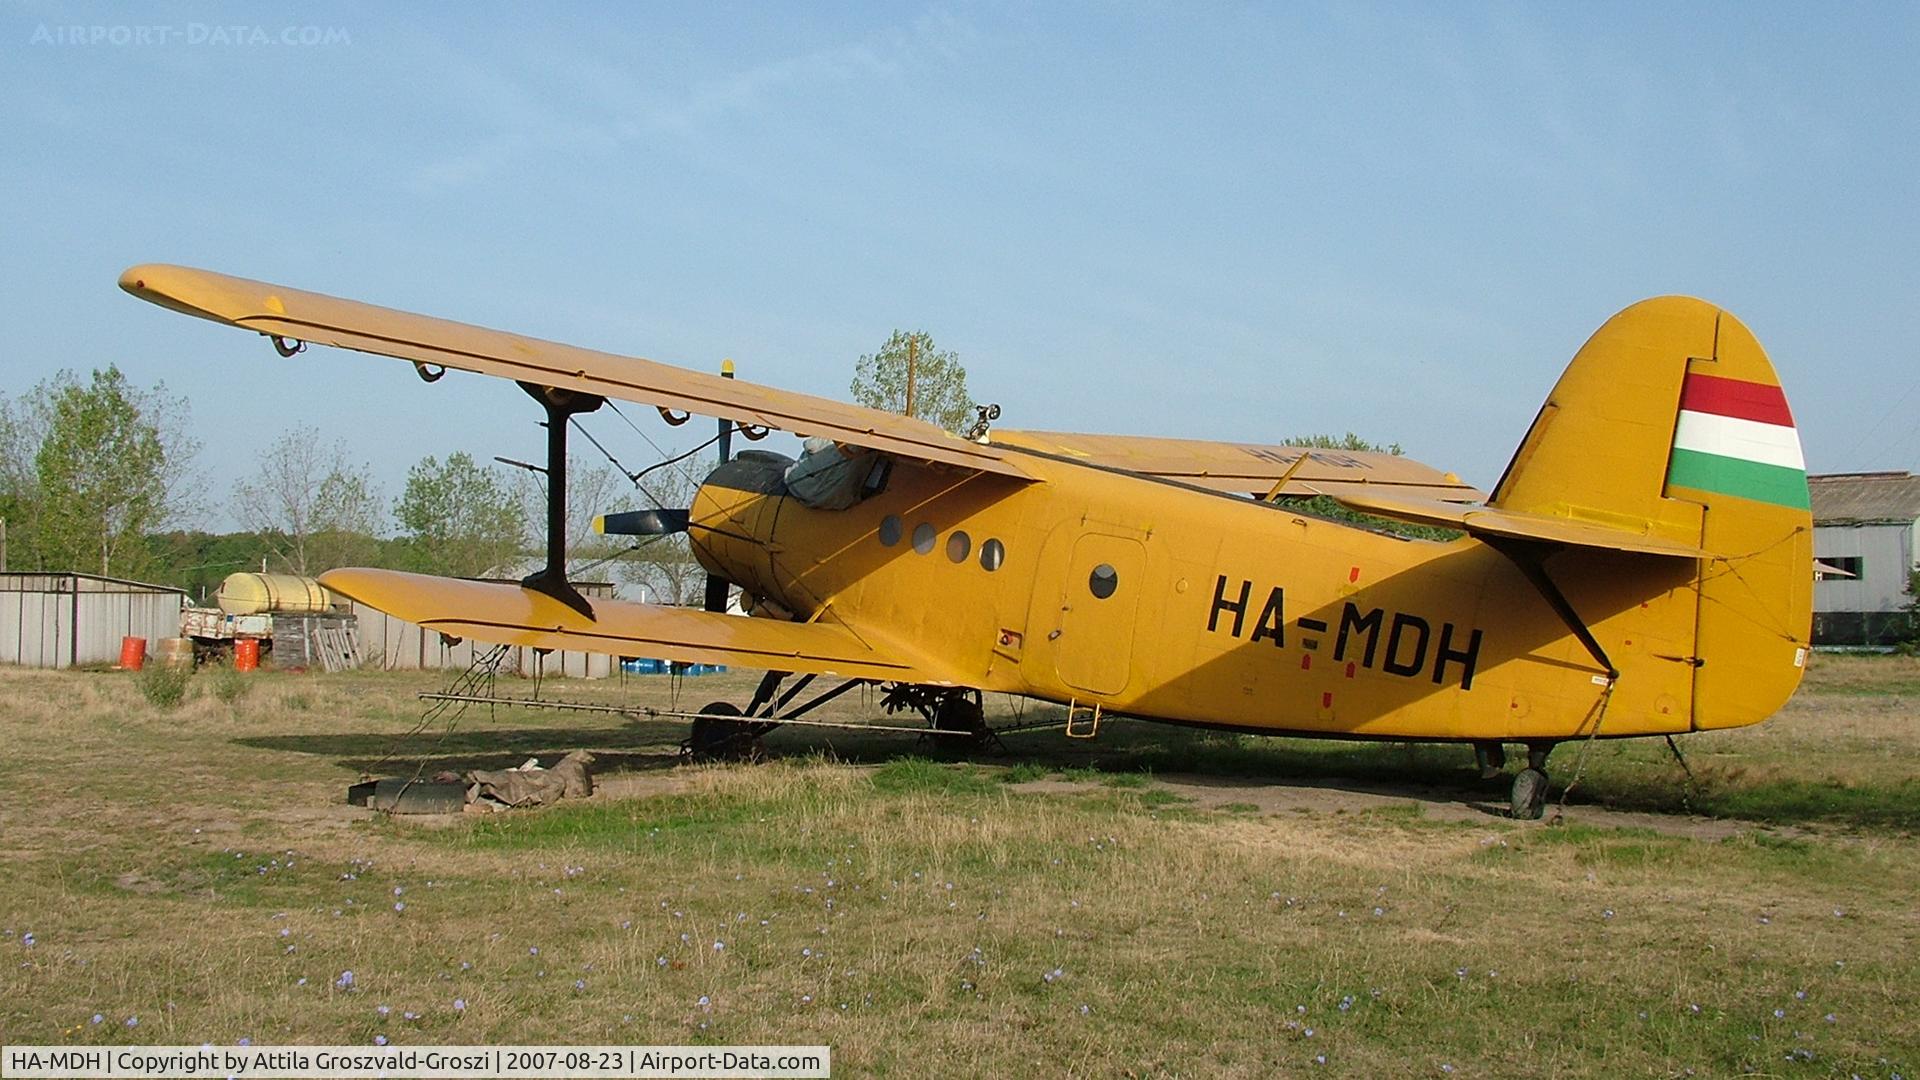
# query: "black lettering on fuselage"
1221,603
1352,620
1272,620
1394,664
1467,657
1410,639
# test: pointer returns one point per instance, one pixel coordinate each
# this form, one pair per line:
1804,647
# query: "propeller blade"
641,523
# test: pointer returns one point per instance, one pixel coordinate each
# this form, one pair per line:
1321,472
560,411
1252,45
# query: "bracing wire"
479,676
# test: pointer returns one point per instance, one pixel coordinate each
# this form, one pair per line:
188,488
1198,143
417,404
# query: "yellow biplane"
1643,567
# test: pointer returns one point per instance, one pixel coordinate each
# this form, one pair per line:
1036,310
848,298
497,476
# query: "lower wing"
508,614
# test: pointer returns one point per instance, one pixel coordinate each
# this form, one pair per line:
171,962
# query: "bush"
164,685
229,683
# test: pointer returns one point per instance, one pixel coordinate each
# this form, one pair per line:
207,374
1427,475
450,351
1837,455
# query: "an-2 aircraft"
1642,568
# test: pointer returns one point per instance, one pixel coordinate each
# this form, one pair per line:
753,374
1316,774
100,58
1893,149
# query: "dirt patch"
639,785
1269,796
137,883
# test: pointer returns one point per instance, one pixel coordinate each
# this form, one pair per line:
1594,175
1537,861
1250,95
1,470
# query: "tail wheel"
1529,797
714,738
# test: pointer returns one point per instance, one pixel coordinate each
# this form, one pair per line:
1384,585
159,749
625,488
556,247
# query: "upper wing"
511,615
327,320
1492,521
1245,468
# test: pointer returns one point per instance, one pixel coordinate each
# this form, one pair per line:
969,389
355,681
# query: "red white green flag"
1737,438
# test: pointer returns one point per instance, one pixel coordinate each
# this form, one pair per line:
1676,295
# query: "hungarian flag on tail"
1737,438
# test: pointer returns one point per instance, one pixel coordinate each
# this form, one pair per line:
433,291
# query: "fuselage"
1158,600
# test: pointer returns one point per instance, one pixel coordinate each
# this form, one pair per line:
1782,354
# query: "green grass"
908,911
1024,772
919,775
165,686
230,684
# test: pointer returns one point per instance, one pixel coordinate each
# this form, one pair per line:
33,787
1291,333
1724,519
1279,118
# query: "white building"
1866,525
60,620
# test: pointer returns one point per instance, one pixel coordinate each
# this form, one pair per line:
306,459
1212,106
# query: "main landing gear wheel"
717,739
1529,797
961,712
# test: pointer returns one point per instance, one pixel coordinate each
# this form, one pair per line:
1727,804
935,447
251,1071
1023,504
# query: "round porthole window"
889,530
923,537
1103,581
992,554
959,546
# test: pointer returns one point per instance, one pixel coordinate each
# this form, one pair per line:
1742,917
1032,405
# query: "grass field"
1156,902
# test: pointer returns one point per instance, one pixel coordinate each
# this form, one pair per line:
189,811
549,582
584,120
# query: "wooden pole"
913,352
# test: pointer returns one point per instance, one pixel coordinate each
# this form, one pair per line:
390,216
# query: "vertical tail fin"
1670,422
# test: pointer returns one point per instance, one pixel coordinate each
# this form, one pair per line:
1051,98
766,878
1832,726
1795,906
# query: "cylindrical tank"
246,654
133,653
252,594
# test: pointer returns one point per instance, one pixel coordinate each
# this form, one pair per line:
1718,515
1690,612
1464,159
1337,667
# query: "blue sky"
1241,222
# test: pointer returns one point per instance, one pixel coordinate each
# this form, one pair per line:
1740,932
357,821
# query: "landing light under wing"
510,615
348,324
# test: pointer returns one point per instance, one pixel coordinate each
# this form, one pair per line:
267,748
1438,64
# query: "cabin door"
1099,603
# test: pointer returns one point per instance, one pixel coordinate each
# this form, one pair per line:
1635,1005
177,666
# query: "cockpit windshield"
831,477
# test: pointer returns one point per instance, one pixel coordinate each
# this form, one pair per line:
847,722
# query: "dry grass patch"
194,870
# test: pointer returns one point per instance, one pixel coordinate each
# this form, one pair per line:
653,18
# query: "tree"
1909,640
591,491
1349,441
1326,507
880,381
315,510
90,469
664,565
459,518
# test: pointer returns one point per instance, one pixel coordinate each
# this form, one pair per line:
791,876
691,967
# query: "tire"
960,712
1529,798
715,739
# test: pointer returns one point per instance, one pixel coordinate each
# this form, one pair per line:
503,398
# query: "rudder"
1670,422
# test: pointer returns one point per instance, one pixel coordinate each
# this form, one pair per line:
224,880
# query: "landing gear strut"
959,715
1529,797
1491,757
717,737
724,732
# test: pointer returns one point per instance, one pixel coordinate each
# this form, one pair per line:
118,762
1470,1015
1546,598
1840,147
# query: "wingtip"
133,279
350,582
167,286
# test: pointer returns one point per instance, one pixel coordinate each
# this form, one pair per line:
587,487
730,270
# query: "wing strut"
561,406
716,595
1531,559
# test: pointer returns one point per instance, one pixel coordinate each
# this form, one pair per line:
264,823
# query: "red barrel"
133,653
246,654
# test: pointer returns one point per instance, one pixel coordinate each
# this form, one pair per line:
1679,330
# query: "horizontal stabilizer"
1486,522
510,615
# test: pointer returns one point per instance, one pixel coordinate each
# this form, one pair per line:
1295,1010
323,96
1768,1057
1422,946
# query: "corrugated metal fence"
395,645
59,620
